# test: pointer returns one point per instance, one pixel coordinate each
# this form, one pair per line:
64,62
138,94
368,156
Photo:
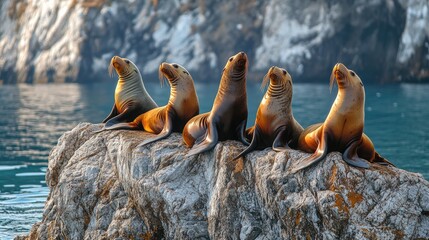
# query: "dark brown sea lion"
182,106
342,130
131,97
275,125
228,117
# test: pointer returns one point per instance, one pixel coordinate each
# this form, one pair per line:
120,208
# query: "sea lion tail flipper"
318,155
382,161
253,144
209,142
351,157
241,129
170,115
280,143
112,114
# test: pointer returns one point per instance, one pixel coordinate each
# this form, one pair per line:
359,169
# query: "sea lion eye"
352,73
284,72
127,62
231,59
186,72
175,66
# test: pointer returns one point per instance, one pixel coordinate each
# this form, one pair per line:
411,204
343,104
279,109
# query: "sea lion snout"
278,75
340,71
168,70
118,64
240,61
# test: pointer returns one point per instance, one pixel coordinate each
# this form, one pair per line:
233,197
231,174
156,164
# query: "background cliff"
73,40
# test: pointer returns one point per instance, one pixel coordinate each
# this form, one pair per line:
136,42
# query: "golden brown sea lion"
182,106
228,117
275,125
131,97
342,130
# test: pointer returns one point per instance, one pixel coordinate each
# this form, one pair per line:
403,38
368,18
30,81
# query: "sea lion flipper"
241,131
318,155
351,157
112,114
253,144
209,142
382,161
120,126
125,116
249,133
170,115
280,142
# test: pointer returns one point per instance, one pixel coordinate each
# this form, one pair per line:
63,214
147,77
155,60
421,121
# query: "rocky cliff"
72,41
104,187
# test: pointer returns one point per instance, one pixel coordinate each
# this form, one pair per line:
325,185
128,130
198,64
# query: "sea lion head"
277,77
345,77
173,72
236,66
123,67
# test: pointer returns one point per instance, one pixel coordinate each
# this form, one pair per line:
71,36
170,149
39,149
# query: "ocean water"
33,117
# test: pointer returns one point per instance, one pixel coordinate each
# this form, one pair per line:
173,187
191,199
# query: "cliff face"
73,41
103,187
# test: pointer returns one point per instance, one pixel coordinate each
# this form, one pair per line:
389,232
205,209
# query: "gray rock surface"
73,41
104,187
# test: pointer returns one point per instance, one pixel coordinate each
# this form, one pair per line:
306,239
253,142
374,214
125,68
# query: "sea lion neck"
279,89
176,95
232,84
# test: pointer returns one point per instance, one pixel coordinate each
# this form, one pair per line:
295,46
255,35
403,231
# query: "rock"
73,41
104,187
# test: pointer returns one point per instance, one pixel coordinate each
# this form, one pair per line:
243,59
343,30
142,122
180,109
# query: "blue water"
33,117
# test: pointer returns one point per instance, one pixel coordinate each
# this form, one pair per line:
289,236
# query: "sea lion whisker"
331,80
265,81
161,77
111,69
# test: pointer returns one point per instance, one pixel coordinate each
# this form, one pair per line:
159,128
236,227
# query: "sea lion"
275,125
182,106
131,97
342,130
228,117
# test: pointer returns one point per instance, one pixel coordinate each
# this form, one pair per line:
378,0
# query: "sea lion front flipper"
121,126
351,157
249,133
209,142
125,116
170,115
112,114
253,144
280,142
318,155
241,129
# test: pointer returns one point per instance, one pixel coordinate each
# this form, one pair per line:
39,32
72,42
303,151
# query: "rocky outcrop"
104,187
73,41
